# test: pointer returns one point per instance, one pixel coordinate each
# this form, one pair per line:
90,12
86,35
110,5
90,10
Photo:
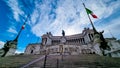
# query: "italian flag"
23,26
91,13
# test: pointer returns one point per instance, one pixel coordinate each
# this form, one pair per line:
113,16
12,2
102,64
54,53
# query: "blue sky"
55,16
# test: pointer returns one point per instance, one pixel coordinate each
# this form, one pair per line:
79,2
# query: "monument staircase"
60,61
77,61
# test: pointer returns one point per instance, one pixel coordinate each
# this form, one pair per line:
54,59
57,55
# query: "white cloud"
101,8
34,16
15,7
111,28
61,22
12,30
1,44
18,52
70,15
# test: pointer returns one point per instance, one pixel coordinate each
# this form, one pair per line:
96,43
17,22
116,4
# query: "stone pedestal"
1,52
11,52
97,49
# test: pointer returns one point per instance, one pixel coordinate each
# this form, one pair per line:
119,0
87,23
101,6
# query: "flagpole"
21,29
95,31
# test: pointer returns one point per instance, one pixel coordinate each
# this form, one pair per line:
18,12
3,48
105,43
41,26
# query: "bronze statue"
63,33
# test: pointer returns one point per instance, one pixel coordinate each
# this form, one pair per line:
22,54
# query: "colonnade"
80,41
70,42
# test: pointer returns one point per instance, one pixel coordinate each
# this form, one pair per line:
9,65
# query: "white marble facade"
82,43
33,49
115,47
73,44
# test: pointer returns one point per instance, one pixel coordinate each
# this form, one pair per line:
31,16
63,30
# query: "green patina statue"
7,46
98,38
